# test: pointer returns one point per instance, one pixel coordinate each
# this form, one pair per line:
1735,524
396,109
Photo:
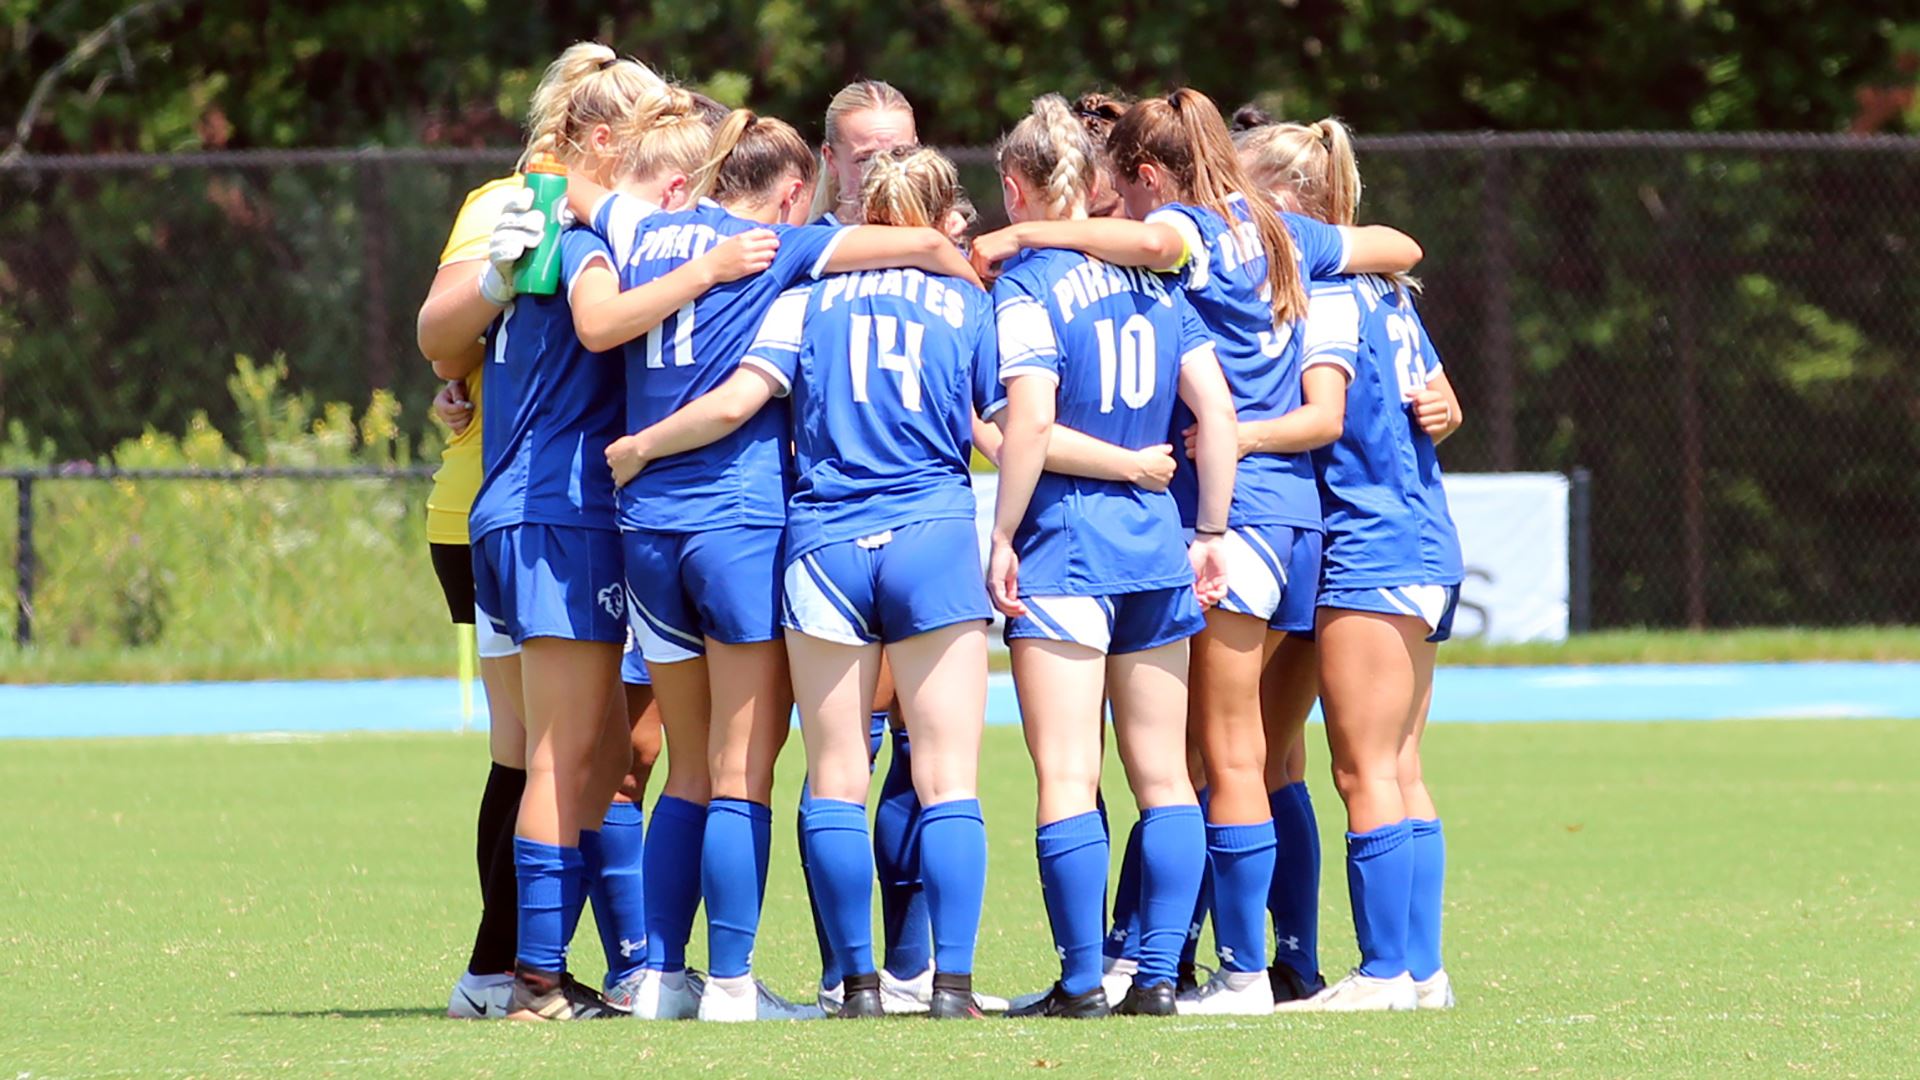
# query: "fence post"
373,269
1580,572
1496,223
25,563
1693,532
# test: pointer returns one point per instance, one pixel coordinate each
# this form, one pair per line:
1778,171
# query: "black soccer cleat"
1091,1005
1155,1000
1289,986
554,995
953,998
862,1001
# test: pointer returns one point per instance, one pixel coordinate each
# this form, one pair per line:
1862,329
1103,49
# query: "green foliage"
1656,900
455,71
195,567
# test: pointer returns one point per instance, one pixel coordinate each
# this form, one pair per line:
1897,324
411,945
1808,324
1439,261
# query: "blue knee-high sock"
1123,932
618,891
730,881
1294,898
672,876
953,854
830,973
1242,857
1202,904
1429,846
1173,859
842,860
903,899
590,862
1380,883
543,872
1073,876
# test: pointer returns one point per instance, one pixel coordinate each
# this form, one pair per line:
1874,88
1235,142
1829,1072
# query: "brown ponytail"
750,153
1184,134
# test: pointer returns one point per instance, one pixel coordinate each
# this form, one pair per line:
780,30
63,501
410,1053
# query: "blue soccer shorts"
1432,604
889,586
686,587
534,581
1114,624
1273,574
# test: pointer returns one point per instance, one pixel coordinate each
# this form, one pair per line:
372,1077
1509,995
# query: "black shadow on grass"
397,1012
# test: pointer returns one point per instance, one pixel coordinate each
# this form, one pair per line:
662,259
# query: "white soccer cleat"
1435,991
906,997
990,1003
1361,993
1117,979
659,995
831,998
480,997
745,998
1229,993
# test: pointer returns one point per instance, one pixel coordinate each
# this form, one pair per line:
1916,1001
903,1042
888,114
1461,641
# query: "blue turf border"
1601,693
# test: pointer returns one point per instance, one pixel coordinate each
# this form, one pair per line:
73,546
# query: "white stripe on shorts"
655,647
1250,577
814,610
488,641
1084,619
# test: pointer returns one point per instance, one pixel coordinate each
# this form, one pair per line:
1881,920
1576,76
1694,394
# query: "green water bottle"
538,271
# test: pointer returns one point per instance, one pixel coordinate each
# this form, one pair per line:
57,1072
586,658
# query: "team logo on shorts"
613,600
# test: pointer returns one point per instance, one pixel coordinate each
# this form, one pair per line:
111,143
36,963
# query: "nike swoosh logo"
474,1005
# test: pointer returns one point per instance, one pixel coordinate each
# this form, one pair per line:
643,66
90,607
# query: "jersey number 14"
878,338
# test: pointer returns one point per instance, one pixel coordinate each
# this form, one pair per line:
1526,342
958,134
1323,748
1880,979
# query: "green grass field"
1685,900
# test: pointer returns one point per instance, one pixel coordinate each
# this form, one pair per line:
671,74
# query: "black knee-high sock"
497,938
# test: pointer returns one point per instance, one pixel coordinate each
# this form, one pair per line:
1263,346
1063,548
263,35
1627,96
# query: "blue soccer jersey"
740,479
552,408
1114,339
880,370
1386,511
1225,278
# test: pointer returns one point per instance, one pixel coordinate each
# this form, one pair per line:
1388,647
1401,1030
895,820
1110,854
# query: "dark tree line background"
1724,336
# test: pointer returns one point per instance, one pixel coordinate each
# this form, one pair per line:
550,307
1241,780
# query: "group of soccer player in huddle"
738,441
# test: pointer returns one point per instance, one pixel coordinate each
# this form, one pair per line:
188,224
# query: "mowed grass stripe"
1624,899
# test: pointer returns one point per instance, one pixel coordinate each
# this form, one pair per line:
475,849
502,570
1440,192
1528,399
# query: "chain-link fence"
1723,329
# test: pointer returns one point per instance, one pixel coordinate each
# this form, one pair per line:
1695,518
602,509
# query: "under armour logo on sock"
1292,943
628,948
1226,956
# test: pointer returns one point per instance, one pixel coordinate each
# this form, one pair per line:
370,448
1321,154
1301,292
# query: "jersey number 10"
881,334
1127,358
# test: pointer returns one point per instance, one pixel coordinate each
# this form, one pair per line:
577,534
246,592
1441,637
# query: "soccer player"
483,989
865,118
880,367
1097,583
582,90
1393,569
703,529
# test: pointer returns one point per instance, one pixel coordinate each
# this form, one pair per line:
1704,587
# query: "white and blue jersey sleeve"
617,219
1024,337
1333,327
775,351
580,249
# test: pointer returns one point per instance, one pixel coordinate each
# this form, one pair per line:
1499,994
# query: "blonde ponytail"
588,84
1050,150
863,96
909,185
1314,163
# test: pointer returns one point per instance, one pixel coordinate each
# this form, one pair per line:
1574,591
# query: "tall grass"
154,573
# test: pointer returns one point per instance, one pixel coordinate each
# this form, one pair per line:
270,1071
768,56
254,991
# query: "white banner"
1513,530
